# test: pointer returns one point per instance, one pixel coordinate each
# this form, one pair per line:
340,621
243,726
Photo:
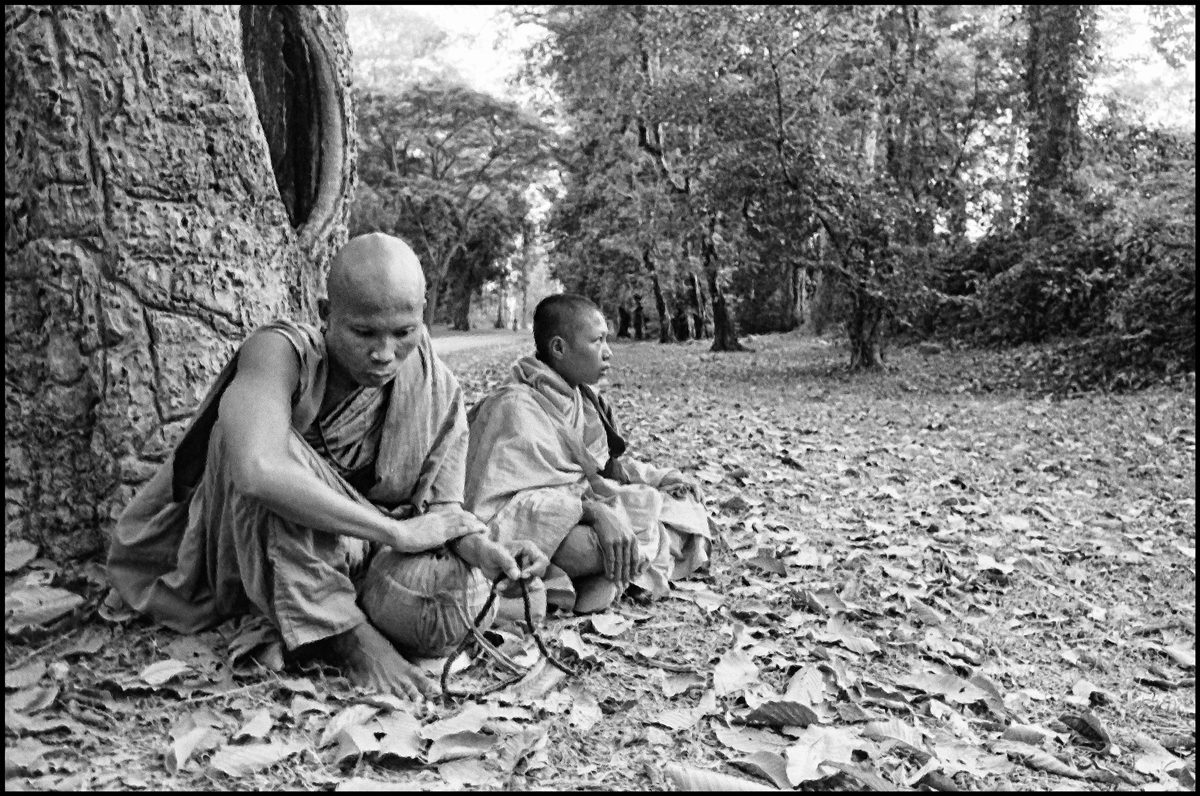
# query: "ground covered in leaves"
934,577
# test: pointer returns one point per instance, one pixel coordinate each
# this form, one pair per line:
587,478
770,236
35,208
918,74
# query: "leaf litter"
924,588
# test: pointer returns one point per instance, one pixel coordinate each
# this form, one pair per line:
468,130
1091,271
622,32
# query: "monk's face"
585,352
373,314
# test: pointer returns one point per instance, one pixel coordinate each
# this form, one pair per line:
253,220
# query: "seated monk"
546,463
320,485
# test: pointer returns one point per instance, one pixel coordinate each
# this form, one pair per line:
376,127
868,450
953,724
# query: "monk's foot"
594,593
371,661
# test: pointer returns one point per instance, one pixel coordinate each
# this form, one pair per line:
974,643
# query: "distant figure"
623,321
546,463
320,486
639,319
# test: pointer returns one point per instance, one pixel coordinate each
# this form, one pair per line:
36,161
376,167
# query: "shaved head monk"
547,464
320,485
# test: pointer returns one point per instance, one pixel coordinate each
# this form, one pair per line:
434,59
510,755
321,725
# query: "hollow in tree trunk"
149,228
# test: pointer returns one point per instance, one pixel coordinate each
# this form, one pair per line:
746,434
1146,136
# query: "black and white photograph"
600,398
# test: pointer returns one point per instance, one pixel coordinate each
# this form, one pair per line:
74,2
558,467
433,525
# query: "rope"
474,634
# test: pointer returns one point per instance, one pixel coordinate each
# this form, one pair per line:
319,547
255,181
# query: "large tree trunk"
865,330
146,232
1060,37
724,332
696,299
660,301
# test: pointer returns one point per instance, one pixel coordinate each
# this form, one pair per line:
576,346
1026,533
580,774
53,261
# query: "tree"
435,158
148,229
1057,60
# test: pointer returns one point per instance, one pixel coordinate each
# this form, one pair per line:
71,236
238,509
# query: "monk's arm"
256,411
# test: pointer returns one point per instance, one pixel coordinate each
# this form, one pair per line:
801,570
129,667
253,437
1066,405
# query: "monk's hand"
513,561
679,486
618,544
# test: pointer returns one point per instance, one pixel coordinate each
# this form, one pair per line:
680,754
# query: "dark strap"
473,634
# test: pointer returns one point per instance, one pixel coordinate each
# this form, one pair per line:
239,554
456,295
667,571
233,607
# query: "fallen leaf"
401,735
687,778
897,730
610,624
770,765
469,719
585,709
780,713
458,773
201,738
1036,758
24,757
676,684
257,727
571,640
806,686
352,743
238,761
350,716
31,700
302,704
749,740
1156,760
163,672
36,606
17,554
863,774
734,671
459,744
816,745
25,676
951,687
298,685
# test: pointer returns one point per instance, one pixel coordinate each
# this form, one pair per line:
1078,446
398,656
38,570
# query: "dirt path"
446,341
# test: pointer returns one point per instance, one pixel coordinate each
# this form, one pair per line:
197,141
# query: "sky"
485,49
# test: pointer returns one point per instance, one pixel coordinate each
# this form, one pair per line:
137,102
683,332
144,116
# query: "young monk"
320,485
546,463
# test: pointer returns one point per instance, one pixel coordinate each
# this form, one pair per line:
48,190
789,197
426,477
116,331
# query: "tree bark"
1060,38
665,334
865,330
724,332
146,234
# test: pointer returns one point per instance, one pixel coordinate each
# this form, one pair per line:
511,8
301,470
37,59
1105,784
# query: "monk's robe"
191,549
539,447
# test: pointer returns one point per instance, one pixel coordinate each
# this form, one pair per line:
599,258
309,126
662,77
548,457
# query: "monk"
320,485
546,463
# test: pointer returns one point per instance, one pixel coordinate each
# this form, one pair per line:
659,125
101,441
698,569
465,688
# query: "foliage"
768,126
447,168
1118,267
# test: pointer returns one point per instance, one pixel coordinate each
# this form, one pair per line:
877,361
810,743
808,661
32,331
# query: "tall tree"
1061,39
164,195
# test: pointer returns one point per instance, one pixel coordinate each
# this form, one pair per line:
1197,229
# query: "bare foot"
371,661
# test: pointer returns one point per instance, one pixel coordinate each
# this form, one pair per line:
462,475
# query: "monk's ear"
323,309
558,347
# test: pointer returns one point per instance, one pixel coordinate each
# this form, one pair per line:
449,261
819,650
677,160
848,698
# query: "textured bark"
724,332
865,328
145,236
1058,47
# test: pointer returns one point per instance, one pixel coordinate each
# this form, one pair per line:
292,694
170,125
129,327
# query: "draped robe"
539,447
191,549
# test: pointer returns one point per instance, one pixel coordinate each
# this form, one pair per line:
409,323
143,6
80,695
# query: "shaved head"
559,316
376,271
